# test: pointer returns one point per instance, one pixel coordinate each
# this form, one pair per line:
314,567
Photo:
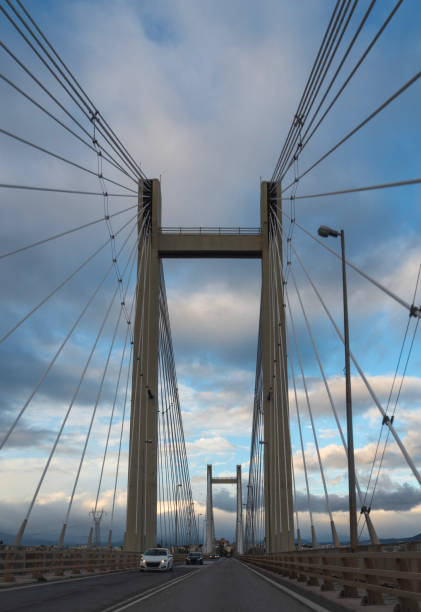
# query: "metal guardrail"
371,573
230,231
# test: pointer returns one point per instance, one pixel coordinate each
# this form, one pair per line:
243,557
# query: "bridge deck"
218,585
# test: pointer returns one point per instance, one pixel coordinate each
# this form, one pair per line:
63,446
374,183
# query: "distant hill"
29,540
415,538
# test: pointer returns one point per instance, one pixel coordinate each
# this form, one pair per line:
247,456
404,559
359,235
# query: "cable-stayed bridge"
115,344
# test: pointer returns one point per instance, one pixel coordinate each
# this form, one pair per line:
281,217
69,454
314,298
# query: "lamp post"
268,531
198,528
325,232
251,512
176,514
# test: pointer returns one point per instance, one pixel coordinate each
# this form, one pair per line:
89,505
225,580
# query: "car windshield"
195,555
156,552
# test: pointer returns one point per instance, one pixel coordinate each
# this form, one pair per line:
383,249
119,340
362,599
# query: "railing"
39,563
211,230
370,573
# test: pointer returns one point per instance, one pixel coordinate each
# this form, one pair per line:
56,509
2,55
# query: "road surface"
224,584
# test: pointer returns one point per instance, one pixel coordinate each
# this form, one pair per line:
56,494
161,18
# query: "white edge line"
307,602
132,601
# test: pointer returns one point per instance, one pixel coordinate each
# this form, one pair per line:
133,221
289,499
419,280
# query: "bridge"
93,421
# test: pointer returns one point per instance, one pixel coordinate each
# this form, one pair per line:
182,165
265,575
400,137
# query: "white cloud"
210,447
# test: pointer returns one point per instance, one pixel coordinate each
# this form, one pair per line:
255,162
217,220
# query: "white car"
156,559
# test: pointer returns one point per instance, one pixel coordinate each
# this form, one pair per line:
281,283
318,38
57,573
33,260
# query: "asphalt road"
221,585
92,594
225,586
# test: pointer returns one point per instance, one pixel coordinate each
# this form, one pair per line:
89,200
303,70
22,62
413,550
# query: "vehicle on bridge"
194,557
156,559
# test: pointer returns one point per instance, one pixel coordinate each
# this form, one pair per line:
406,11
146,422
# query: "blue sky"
203,94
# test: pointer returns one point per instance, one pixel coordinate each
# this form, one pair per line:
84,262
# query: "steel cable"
65,233
385,104
64,282
63,159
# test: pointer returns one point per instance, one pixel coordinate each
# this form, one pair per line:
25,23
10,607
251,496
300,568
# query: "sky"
203,94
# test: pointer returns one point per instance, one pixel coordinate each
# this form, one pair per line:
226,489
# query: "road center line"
134,600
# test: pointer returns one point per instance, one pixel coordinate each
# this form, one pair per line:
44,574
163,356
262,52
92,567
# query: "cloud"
210,446
204,95
220,317
223,500
402,497
362,402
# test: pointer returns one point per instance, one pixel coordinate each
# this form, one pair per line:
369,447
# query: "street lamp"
268,540
325,232
176,514
198,528
251,511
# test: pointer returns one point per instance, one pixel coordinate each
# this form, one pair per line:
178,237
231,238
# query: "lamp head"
324,231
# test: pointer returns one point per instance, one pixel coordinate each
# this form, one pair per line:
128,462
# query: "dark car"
194,557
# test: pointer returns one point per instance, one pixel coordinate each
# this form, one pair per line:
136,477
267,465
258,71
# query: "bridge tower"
279,517
154,244
209,547
141,521
210,525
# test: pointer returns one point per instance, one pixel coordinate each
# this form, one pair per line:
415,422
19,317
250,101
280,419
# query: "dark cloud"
223,500
47,520
26,435
400,498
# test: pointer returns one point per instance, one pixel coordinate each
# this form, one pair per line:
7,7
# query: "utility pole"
176,514
96,517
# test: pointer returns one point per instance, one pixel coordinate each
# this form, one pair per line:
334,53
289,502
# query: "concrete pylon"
141,522
210,526
239,546
279,520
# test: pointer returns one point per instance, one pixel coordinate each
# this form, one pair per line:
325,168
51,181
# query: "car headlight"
163,561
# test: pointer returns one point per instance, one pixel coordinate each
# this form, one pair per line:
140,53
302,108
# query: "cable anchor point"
94,115
415,311
299,120
387,420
